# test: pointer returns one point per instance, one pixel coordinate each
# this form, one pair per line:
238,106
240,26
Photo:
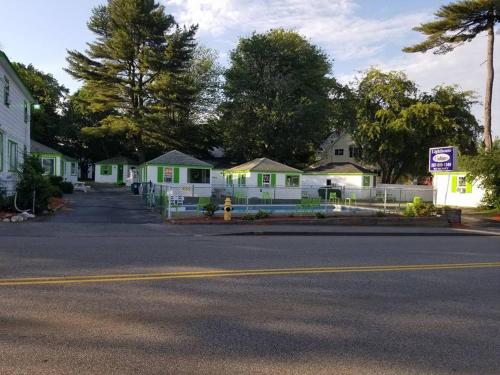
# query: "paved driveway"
105,204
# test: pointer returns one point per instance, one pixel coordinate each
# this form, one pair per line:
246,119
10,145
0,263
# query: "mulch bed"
311,220
56,203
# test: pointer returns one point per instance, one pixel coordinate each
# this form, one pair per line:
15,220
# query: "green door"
119,177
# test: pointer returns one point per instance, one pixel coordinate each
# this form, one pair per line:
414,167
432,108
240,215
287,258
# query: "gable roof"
118,160
4,60
263,165
337,167
175,157
38,148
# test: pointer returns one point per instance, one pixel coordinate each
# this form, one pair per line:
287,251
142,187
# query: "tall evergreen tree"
460,22
133,69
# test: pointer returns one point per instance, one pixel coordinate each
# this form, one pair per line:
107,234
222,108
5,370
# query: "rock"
27,215
6,220
16,219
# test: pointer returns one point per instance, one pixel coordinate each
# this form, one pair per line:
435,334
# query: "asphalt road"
183,317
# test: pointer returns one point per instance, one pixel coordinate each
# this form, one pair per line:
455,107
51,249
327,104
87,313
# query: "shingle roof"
264,165
37,147
338,167
118,160
175,157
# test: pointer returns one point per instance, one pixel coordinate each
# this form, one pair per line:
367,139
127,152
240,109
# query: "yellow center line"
242,272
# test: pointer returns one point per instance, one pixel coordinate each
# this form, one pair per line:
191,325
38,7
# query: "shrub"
486,168
32,181
262,214
410,210
56,180
320,215
6,203
210,209
55,191
259,215
425,209
66,187
380,213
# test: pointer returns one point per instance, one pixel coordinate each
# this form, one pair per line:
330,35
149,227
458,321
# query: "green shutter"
259,179
176,175
468,186
239,180
454,184
273,179
159,175
62,168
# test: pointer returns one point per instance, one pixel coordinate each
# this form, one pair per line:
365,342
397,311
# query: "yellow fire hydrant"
227,209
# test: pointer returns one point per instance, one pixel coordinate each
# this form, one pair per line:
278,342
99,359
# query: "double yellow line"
242,272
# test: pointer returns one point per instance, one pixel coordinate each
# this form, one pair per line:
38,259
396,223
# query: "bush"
6,203
486,168
67,187
262,215
259,215
210,209
32,181
320,215
55,180
410,210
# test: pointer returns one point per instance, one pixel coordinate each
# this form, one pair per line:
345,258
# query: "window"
49,165
198,176
242,180
354,152
168,175
26,112
339,151
366,181
12,156
266,179
106,170
462,184
6,91
73,169
1,151
292,181
229,180
328,182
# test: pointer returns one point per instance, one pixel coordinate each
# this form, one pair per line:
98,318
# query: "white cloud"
354,41
463,67
331,23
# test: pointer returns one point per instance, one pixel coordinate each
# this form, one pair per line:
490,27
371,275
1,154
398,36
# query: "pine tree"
460,22
138,53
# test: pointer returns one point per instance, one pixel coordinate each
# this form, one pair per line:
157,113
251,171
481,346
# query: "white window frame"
12,153
74,169
47,173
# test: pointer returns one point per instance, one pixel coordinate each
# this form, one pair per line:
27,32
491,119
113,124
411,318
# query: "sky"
356,34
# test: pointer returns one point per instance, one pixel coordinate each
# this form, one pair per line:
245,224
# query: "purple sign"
442,158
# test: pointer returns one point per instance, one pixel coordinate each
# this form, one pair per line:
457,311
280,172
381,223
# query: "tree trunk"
490,74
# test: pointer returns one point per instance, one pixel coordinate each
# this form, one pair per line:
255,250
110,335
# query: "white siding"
187,189
446,197
112,178
252,190
12,126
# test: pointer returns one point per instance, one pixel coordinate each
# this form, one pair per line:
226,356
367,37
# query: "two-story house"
15,108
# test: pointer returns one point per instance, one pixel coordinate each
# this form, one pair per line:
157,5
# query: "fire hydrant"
227,209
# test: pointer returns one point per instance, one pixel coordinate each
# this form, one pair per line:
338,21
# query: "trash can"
135,188
454,215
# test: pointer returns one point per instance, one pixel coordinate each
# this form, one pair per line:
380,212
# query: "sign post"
443,159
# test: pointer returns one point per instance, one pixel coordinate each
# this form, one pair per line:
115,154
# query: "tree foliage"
457,23
397,124
139,71
46,125
277,98
486,168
